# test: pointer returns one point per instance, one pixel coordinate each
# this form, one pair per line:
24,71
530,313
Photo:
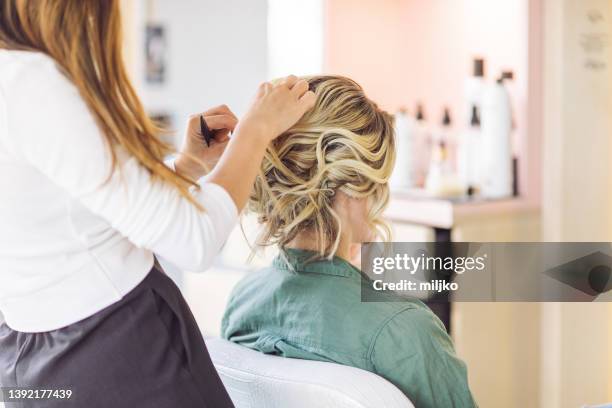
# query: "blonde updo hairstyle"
344,143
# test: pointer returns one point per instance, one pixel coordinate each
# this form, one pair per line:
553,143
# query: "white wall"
217,53
295,37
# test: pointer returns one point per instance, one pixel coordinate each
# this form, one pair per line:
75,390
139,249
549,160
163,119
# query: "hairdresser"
87,199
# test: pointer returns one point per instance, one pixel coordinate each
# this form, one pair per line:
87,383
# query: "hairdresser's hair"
344,143
84,39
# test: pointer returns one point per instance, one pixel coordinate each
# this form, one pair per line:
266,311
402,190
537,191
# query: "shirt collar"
300,260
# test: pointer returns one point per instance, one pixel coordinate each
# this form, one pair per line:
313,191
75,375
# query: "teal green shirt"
313,310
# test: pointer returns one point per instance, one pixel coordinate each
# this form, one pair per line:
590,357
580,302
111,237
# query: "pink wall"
404,51
362,41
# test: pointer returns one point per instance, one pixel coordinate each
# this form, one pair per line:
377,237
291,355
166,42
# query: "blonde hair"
345,143
84,39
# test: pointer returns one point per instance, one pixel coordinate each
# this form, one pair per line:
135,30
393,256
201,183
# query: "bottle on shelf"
441,178
474,88
469,154
422,147
496,127
403,173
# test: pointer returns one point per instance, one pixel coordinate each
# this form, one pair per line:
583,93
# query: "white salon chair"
257,380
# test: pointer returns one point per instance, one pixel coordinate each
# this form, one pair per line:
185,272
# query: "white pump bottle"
496,128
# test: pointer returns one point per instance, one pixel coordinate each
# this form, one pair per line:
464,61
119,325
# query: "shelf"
417,208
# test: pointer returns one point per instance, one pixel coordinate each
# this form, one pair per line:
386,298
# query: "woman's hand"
277,107
196,157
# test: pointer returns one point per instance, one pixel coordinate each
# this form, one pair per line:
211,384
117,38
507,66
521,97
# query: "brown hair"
344,143
85,40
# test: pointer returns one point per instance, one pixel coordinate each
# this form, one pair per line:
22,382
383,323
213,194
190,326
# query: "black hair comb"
207,134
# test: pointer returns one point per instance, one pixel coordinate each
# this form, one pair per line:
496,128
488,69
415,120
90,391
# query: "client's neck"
308,241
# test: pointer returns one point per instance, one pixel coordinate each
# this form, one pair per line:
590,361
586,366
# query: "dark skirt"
144,351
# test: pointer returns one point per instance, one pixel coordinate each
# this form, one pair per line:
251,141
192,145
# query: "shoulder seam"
381,328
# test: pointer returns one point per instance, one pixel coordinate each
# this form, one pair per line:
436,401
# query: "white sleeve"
55,132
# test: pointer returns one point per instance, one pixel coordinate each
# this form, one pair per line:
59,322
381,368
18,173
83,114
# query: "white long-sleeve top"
71,244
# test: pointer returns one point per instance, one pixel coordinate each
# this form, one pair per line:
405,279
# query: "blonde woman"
324,187
86,201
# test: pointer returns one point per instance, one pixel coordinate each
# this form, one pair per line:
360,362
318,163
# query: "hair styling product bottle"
496,124
423,146
441,179
474,88
469,154
403,173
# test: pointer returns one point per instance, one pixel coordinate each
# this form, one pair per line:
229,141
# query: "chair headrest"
257,380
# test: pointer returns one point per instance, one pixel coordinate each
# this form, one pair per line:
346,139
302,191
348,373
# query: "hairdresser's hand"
196,158
277,107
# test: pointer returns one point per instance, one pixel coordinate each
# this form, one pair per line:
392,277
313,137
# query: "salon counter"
513,219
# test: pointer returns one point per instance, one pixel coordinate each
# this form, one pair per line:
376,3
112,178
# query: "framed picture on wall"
156,54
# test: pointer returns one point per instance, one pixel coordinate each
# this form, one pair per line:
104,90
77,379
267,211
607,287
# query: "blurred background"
504,115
